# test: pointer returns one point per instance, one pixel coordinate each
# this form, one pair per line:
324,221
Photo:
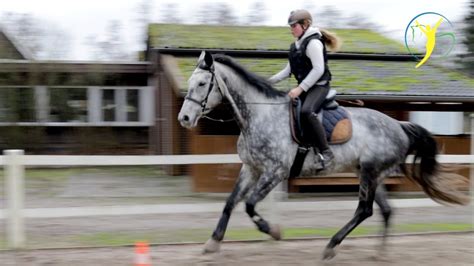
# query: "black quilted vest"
301,65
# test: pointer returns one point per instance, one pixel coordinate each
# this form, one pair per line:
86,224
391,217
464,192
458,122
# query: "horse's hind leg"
264,185
368,186
386,210
244,183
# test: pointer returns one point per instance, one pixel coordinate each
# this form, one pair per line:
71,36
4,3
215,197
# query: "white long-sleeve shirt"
314,51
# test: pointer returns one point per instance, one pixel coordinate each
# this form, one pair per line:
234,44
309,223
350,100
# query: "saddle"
336,122
334,118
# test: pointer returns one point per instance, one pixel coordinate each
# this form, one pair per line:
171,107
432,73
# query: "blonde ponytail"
331,40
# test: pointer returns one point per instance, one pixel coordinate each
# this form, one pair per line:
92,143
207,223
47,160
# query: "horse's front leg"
265,184
245,181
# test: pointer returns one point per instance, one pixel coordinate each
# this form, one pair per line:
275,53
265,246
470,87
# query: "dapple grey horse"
378,145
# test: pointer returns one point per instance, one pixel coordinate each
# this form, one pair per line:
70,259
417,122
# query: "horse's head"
203,92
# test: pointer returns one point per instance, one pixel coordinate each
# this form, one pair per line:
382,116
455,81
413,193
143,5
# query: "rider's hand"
295,92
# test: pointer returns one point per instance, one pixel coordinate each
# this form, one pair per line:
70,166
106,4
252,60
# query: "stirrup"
321,160
324,159
303,149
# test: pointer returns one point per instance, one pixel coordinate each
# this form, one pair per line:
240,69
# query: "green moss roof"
259,38
363,76
349,76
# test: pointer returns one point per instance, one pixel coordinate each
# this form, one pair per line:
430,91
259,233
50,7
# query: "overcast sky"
82,18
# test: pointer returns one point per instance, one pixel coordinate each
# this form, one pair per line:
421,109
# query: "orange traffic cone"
142,255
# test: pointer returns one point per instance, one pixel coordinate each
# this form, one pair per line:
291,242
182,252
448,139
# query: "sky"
83,18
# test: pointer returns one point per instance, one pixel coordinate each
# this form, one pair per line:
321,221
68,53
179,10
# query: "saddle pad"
337,125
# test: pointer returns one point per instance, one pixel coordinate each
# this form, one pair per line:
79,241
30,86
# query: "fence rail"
117,160
14,163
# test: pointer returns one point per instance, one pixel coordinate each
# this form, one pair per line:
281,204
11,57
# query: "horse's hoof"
275,232
382,248
211,246
329,253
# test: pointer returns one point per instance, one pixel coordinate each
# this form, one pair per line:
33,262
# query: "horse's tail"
435,181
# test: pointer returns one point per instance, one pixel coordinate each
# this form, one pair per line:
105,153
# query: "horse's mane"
260,83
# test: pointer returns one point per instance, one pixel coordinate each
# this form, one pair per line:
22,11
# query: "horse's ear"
201,56
208,59
205,60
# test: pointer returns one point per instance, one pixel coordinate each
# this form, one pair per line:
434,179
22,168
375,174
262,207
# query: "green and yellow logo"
431,31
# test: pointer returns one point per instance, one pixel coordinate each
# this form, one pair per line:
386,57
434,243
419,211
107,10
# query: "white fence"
14,162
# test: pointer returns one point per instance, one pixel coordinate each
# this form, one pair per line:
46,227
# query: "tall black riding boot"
320,144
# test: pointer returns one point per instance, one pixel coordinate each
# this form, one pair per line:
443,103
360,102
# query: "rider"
308,63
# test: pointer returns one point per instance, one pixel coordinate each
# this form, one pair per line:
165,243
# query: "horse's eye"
201,84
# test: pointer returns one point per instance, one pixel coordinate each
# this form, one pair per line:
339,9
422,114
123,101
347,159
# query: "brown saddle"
335,119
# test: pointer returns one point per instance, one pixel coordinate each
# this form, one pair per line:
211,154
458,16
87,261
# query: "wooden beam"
343,179
12,66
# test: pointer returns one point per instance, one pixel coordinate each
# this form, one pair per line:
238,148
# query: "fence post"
471,168
15,171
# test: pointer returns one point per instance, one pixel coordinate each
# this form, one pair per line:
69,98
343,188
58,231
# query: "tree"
224,15
257,13
329,17
170,14
111,46
43,39
308,5
360,21
468,58
55,43
25,28
142,20
216,13
205,14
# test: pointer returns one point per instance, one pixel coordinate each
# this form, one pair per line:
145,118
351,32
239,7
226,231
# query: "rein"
221,83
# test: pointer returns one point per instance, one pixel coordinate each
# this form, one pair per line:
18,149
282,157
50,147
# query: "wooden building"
64,107
67,107
370,68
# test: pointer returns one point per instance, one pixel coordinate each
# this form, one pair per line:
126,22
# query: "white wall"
440,123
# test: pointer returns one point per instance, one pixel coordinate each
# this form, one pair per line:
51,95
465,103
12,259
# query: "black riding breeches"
312,102
313,99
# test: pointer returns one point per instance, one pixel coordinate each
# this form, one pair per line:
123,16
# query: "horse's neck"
249,103
240,90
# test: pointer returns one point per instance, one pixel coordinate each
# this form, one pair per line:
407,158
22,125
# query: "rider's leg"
319,140
313,129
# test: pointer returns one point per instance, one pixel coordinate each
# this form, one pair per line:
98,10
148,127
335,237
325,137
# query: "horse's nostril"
186,118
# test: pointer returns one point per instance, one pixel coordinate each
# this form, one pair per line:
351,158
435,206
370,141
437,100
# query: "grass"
201,235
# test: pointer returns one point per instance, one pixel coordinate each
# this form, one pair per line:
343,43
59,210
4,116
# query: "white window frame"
146,105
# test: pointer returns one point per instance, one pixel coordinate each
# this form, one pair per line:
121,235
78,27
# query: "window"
17,104
75,105
108,104
68,105
132,105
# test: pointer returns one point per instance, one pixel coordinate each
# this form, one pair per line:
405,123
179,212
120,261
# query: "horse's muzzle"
186,121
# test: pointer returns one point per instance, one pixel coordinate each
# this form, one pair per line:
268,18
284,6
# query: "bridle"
203,103
224,91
